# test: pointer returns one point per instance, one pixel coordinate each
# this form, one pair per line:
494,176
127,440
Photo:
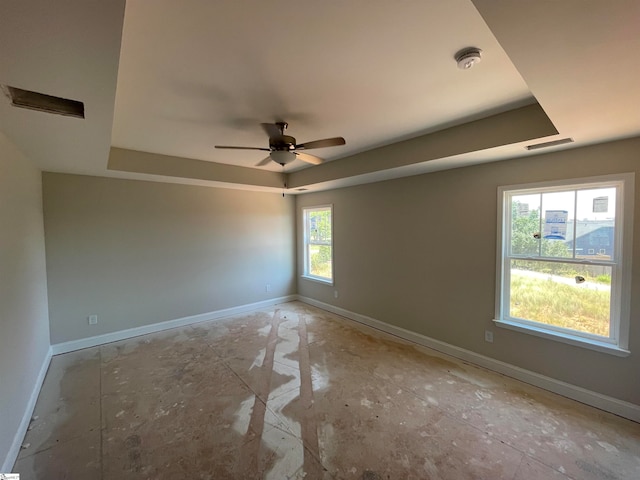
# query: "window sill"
318,279
602,347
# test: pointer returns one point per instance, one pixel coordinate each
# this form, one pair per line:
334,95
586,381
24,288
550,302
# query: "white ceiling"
67,49
191,76
177,78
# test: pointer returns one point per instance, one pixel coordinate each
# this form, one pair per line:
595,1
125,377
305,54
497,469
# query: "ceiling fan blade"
305,157
272,130
327,142
263,162
243,148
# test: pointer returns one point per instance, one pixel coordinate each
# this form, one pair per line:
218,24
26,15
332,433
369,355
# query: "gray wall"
24,327
136,253
420,253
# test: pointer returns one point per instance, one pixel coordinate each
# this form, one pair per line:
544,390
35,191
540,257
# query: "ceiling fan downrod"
282,126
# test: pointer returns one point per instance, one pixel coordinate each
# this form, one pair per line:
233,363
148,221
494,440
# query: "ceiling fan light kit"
282,157
468,57
283,147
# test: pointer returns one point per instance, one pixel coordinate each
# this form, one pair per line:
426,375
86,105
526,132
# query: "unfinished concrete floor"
296,392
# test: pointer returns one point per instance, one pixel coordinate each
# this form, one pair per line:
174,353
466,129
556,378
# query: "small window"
547,285
318,244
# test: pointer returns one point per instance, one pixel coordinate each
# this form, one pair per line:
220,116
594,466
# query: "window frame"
620,299
305,243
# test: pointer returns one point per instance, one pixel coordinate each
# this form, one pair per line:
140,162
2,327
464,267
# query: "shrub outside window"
563,260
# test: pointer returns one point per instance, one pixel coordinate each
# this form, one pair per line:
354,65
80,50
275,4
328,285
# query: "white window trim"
623,247
305,274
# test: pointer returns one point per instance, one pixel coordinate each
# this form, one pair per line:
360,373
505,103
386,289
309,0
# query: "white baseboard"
88,342
603,402
12,455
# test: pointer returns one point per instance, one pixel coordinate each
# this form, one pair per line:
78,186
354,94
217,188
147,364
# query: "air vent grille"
44,103
553,143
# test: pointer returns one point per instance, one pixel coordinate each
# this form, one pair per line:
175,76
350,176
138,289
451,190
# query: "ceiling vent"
553,143
44,103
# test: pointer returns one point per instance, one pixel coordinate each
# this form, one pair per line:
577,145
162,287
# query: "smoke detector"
468,57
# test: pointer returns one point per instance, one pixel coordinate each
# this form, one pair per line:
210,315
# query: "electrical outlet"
488,336
267,288
335,294
93,319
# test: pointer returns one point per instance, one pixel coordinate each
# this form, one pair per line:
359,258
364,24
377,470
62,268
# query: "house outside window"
551,281
318,243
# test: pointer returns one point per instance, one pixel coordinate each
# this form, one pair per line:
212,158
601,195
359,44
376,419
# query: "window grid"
616,336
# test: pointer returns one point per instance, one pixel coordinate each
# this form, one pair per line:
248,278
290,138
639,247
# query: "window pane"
320,226
595,223
318,243
565,295
525,224
320,260
557,224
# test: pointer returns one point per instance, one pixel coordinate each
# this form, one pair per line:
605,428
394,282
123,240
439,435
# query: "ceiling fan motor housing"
282,143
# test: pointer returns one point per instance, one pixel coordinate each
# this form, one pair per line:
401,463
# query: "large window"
563,261
318,245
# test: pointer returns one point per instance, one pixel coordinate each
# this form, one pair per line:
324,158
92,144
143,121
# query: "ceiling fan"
284,149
